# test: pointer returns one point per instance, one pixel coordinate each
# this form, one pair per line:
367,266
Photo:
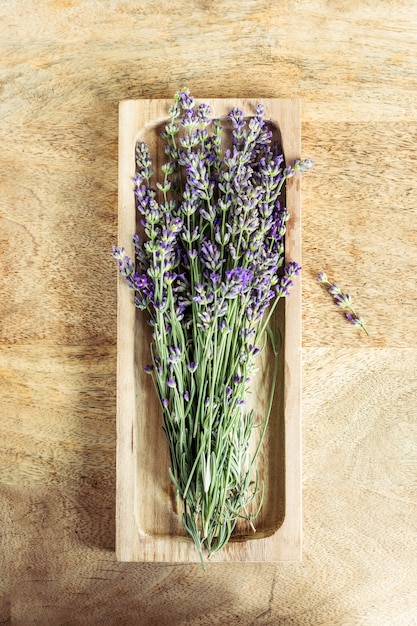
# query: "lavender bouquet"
209,271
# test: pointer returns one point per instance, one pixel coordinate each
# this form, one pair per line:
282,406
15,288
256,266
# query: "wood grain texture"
64,66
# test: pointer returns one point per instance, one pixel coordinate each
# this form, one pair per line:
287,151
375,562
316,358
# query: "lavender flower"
186,101
237,282
175,354
342,300
209,269
299,166
284,286
210,255
292,269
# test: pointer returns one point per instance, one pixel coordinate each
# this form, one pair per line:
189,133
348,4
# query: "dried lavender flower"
342,300
210,271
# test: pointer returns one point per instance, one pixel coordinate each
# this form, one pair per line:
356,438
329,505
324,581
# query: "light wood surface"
64,66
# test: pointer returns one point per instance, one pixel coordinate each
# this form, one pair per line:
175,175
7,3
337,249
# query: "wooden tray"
147,526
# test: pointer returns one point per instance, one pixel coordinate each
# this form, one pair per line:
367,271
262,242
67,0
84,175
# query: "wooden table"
65,64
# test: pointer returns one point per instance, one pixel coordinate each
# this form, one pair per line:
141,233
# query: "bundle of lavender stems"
209,271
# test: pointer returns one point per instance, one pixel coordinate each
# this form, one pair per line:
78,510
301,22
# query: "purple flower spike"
334,289
185,100
354,319
344,301
292,269
236,115
260,109
238,280
174,354
284,286
207,267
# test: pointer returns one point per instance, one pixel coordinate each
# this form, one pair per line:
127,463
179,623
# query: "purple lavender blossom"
209,264
143,162
210,255
185,100
334,289
203,114
202,296
284,286
292,269
254,350
192,254
342,300
299,166
237,282
174,354
356,320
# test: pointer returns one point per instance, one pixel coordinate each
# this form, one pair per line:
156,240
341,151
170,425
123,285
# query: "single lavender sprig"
344,301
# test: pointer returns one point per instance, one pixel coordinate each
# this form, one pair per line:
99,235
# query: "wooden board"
147,525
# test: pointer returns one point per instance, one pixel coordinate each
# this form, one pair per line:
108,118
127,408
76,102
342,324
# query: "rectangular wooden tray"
147,525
